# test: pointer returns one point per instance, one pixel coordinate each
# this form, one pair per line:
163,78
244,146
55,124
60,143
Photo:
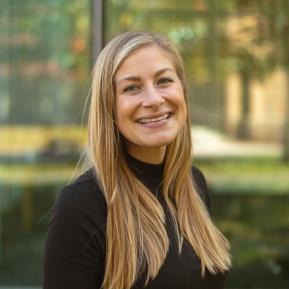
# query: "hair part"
136,238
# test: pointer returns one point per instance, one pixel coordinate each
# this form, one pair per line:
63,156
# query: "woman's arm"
75,245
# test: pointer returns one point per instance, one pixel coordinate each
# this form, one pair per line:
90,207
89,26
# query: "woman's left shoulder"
201,186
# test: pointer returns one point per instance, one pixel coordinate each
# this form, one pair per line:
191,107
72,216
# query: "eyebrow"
136,78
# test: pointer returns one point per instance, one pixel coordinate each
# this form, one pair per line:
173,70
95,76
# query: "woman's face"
150,104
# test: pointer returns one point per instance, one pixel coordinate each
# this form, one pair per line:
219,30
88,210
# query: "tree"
45,59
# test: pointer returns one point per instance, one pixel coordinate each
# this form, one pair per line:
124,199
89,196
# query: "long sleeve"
75,244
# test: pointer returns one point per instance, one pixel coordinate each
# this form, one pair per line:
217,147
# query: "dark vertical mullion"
97,28
11,66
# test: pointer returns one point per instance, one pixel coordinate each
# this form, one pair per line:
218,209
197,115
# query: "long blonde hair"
136,238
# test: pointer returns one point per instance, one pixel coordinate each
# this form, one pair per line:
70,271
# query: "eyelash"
165,80
133,88
130,88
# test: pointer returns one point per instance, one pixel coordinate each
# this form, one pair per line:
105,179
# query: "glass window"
44,80
236,58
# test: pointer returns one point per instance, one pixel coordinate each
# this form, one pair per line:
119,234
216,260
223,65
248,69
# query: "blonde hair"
136,238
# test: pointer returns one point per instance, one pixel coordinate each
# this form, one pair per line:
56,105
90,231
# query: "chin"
159,142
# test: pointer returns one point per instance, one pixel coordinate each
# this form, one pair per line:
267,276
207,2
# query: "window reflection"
44,79
236,59
236,55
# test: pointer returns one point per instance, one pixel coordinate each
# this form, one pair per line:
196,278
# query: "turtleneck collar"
151,175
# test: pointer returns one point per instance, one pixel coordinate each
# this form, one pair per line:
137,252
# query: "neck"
153,155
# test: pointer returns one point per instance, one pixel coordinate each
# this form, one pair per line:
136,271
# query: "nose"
153,97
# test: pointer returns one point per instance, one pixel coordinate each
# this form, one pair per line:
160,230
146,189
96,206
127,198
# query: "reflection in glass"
44,79
236,57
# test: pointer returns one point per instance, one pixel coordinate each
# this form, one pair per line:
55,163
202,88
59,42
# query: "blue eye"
165,80
131,88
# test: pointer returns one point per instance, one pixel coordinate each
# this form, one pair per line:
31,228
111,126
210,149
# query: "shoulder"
75,241
201,186
199,179
83,197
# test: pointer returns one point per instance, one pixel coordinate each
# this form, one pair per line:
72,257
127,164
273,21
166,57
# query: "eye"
164,80
130,88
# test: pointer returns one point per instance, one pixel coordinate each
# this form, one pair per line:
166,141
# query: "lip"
154,116
156,124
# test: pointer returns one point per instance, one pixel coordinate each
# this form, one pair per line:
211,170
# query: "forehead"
143,59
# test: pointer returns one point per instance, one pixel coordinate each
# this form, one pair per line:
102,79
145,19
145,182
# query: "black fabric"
75,245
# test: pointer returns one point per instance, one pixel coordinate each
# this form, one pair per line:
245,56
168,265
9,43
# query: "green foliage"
46,48
200,28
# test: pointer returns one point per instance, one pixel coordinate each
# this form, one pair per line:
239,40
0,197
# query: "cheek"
125,111
121,110
181,103
121,123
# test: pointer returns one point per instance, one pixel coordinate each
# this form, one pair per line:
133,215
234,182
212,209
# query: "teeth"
146,120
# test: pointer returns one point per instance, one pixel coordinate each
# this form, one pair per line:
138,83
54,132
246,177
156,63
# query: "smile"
155,119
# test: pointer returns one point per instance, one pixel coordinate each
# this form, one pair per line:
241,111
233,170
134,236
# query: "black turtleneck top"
75,245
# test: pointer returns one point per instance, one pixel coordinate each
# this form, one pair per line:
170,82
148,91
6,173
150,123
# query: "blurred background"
236,54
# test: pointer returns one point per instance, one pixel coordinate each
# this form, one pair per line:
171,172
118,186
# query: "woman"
139,217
